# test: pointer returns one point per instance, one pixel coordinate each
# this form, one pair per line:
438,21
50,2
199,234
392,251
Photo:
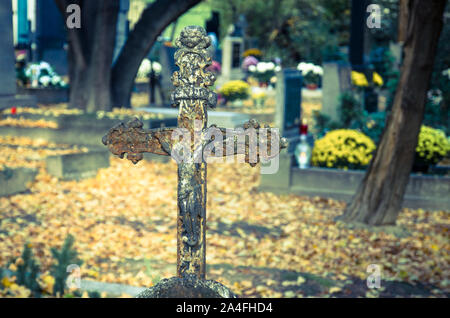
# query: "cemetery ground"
258,244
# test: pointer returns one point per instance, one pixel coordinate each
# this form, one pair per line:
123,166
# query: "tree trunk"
154,19
94,83
91,51
402,20
379,197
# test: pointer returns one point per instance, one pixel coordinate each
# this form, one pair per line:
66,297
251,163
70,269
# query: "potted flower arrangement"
249,61
235,92
343,149
312,74
258,95
42,75
432,146
147,66
215,67
264,71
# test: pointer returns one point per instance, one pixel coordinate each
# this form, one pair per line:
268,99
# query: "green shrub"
64,257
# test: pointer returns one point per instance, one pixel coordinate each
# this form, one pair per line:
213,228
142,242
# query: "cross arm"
254,141
131,139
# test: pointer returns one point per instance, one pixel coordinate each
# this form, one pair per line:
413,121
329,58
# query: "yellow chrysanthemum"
343,148
432,145
252,52
377,79
359,79
235,90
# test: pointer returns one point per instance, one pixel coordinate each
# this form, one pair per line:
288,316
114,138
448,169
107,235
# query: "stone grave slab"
77,166
15,180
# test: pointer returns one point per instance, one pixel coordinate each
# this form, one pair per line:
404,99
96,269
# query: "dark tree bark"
154,19
91,51
379,197
402,20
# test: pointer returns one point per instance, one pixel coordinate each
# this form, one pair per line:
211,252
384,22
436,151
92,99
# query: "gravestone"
77,166
336,80
192,97
15,180
51,36
23,30
232,50
8,96
396,50
357,34
288,105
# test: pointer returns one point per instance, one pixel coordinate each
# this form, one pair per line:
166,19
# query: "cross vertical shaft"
192,97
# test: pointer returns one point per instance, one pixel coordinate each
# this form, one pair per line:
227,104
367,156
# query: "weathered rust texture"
192,97
132,140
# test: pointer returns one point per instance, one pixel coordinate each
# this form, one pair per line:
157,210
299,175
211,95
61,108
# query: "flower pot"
419,167
258,102
311,86
237,103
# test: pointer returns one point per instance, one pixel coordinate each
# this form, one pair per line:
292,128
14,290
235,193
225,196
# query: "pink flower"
215,67
249,60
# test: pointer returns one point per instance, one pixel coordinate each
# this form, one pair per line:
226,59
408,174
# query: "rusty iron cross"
192,97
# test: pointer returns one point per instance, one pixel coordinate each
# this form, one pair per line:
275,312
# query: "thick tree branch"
154,19
73,34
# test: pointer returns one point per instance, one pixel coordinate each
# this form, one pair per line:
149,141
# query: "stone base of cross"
191,143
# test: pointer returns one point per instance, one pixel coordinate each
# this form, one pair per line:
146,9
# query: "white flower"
45,80
44,65
156,67
318,70
446,73
270,66
261,67
144,68
277,68
305,68
252,68
56,80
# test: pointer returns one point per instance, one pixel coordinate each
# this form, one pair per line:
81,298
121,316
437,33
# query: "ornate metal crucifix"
192,97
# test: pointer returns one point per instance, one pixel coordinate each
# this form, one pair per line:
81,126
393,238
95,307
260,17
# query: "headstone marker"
77,166
336,80
232,50
8,97
288,104
51,36
357,30
23,31
192,97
